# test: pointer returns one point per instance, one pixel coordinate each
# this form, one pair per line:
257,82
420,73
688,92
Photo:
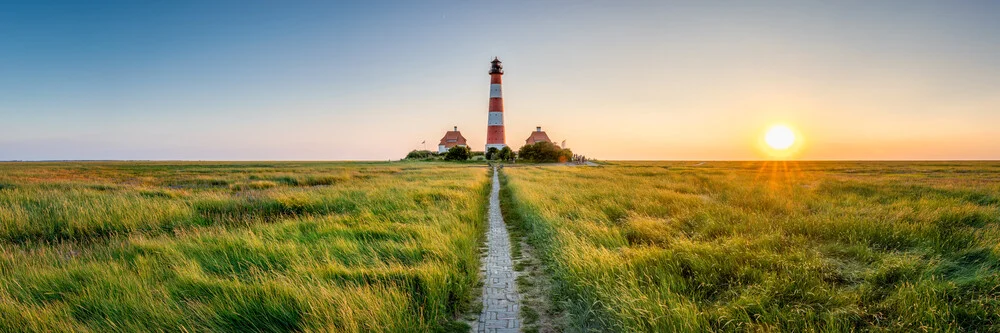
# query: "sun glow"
779,137
781,141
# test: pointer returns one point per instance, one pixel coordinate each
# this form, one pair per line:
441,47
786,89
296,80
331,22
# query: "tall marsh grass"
277,247
774,247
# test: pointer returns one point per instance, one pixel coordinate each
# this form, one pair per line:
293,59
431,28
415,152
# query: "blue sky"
240,80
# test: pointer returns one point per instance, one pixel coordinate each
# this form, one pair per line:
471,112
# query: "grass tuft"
239,247
752,246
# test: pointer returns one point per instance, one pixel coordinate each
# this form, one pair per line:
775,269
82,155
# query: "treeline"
544,152
541,152
456,153
505,154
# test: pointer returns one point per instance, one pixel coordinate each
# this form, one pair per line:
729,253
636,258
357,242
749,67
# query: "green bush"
506,154
457,153
420,155
544,152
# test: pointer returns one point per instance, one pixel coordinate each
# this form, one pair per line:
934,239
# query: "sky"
371,80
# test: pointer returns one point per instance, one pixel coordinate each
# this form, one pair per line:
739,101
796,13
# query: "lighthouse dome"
497,67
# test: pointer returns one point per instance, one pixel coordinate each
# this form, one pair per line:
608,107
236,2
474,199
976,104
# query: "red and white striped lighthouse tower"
494,130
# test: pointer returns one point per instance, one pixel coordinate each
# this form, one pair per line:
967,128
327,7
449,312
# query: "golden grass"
767,246
238,246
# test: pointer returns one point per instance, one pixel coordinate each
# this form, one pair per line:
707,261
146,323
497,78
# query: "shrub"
544,152
419,154
492,153
457,153
506,154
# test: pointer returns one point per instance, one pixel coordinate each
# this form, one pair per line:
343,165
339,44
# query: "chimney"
538,129
456,128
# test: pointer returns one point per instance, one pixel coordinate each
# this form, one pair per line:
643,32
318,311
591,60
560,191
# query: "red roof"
537,136
452,138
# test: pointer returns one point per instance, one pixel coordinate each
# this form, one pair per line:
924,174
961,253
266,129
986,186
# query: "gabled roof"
452,138
537,136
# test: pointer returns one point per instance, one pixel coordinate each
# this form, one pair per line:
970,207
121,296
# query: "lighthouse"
494,129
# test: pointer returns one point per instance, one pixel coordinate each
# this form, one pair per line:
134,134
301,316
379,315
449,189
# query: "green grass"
774,247
239,246
639,246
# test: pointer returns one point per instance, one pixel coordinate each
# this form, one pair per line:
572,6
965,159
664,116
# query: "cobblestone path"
501,303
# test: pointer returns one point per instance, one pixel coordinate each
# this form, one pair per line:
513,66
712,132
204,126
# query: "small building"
537,136
451,139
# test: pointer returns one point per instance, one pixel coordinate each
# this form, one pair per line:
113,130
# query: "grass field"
238,247
809,246
636,246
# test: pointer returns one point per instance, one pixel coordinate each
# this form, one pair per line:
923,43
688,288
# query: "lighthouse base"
498,146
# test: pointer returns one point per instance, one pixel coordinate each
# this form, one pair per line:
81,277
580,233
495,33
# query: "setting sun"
779,137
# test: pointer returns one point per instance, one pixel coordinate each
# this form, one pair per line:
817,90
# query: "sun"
779,137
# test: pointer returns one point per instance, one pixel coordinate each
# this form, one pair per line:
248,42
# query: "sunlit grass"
775,246
238,247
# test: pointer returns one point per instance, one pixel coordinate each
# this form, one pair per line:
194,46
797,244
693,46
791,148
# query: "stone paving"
501,303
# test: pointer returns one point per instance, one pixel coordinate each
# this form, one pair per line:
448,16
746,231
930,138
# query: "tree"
505,154
457,153
491,153
544,152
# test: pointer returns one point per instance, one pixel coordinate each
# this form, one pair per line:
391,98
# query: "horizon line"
605,160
